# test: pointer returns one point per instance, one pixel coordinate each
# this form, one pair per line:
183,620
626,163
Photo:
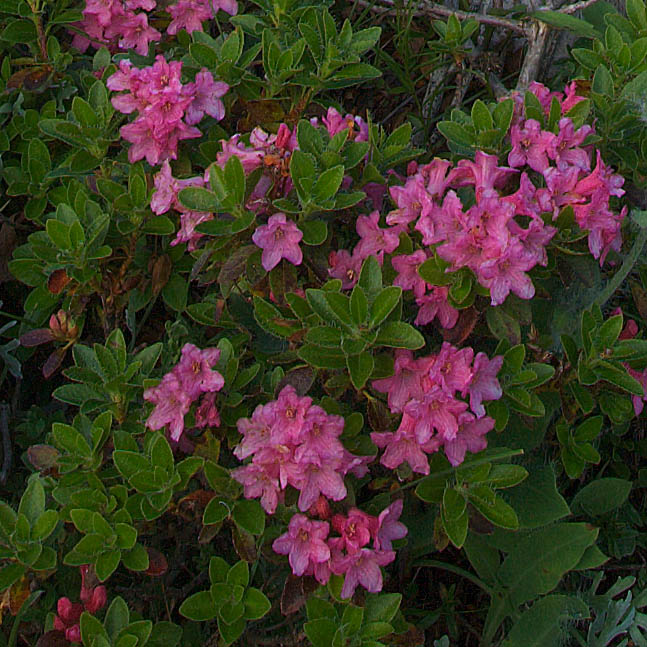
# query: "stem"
509,453
457,570
6,443
626,267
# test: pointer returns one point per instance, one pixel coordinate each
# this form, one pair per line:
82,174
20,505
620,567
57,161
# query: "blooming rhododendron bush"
323,324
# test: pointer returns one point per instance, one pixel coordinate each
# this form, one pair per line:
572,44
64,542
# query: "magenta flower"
407,267
402,447
171,402
207,98
257,482
374,240
319,478
278,239
508,273
484,384
452,368
435,305
530,145
289,412
188,15
388,527
564,149
362,567
345,267
406,381
195,371
470,437
134,32
437,411
355,531
304,543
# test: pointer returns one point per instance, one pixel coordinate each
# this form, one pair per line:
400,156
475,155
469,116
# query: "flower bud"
73,634
63,326
97,601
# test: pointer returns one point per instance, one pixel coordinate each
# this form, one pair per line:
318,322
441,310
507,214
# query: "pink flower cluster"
166,109
564,165
278,239
294,442
192,377
93,599
311,551
190,14
502,235
116,24
166,197
425,391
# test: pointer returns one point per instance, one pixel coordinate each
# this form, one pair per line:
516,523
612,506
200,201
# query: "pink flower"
355,531
289,412
407,381
278,239
530,145
171,405
362,567
228,6
345,267
195,371
484,173
564,148
437,411
317,478
207,94
304,543
470,437
402,446
435,305
374,240
484,384
206,414
508,273
407,268
188,15
452,368
388,526
135,32
258,483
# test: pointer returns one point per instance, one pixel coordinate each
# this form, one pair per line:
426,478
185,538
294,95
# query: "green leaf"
10,574
235,179
32,503
481,116
199,607
215,512
615,374
601,496
538,561
175,293
136,559
239,574
537,500
454,504
315,232
321,357
566,21
370,278
505,476
384,304
197,198
44,525
19,31
117,617
360,368
381,607
91,629
537,627
250,516
497,511
456,529
327,184
256,604
397,334
107,563
358,305
320,632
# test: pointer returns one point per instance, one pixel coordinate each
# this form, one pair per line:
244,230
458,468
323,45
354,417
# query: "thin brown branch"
576,6
486,19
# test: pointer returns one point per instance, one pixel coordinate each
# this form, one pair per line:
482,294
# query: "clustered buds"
93,599
294,442
166,109
311,551
192,377
425,391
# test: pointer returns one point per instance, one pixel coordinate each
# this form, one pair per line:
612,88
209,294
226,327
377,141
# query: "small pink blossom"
388,527
407,267
362,567
304,543
278,239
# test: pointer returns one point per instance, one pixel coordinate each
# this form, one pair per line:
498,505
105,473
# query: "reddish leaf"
300,378
157,564
463,328
52,639
36,337
293,597
379,417
30,78
161,273
57,280
244,544
42,457
53,362
18,593
640,299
